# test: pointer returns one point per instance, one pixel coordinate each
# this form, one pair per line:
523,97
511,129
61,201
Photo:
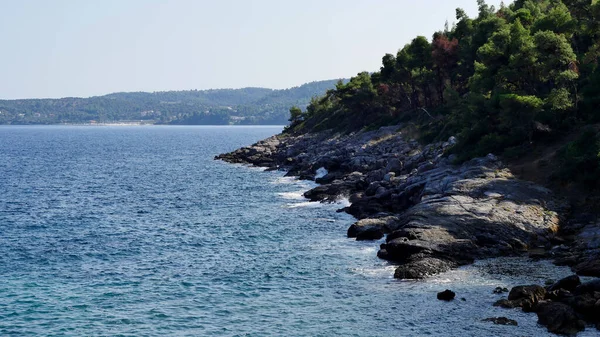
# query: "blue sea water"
137,231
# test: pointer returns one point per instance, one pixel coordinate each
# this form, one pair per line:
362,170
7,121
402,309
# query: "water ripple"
135,231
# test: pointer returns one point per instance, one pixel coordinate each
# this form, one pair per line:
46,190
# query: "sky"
82,48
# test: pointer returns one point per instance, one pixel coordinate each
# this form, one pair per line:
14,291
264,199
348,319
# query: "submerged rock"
423,267
446,295
501,321
500,290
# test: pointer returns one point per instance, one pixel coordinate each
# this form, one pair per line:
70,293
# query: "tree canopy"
508,77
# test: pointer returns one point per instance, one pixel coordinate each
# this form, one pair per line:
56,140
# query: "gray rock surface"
562,311
437,215
559,318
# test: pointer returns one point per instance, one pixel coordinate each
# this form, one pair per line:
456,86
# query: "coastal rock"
330,192
563,311
366,227
568,283
370,233
394,165
559,318
583,253
584,305
446,295
451,214
532,293
259,154
501,321
504,303
438,216
588,287
558,295
458,220
589,267
423,267
372,189
525,297
329,178
500,290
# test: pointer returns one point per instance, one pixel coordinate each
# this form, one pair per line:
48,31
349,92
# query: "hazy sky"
53,48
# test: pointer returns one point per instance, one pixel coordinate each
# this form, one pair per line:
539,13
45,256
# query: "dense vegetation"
511,77
222,106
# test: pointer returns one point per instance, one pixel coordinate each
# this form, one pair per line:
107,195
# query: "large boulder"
588,287
422,268
590,267
446,295
559,318
533,293
330,192
370,233
477,210
585,305
525,297
568,283
371,229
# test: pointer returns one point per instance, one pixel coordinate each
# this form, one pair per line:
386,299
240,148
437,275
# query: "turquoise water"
137,231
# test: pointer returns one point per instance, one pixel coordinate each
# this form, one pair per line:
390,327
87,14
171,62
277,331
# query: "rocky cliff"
435,215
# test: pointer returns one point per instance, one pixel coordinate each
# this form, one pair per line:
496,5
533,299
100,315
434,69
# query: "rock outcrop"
436,215
583,252
563,307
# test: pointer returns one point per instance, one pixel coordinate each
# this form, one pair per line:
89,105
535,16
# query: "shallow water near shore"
137,231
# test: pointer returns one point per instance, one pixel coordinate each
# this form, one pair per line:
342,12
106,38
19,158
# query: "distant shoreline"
143,124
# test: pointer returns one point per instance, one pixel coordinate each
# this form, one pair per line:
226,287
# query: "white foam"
321,172
376,271
258,168
326,219
251,167
298,195
284,181
312,204
344,202
368,250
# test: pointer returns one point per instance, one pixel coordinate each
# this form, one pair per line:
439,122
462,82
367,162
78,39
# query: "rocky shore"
434,215
563,307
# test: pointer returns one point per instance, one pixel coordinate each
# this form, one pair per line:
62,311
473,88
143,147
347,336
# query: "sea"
138,231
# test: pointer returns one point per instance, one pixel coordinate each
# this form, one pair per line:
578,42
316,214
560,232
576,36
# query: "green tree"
296,115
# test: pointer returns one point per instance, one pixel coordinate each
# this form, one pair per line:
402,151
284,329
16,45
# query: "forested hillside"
219,106
508,79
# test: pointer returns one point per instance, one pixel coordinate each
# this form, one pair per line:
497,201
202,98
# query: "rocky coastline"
436,215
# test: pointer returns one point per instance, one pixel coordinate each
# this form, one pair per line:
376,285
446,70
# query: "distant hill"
215,106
